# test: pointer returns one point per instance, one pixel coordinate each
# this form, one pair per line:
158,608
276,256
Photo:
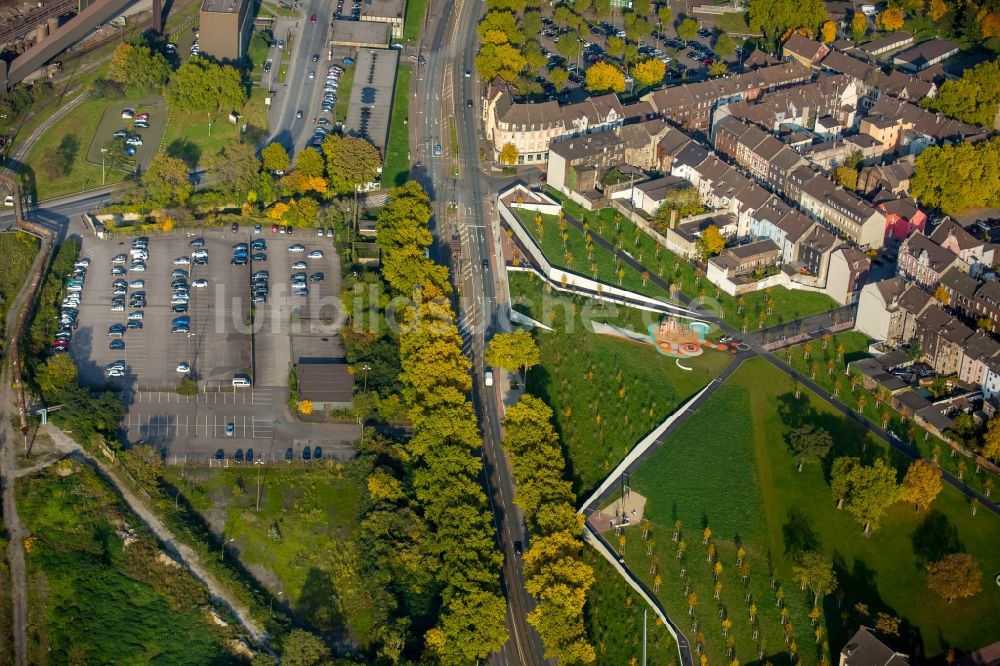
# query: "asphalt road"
299,92
441,92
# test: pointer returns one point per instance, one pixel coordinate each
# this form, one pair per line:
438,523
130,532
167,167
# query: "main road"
462,195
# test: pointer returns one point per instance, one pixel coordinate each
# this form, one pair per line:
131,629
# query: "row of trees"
553,569
445,470
955,177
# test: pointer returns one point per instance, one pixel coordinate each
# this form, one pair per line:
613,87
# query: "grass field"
302,541
786,305
614,620
397,154
18,250
100,589
195,136
832,378
344,94
727,467
414,19
606,393
79,124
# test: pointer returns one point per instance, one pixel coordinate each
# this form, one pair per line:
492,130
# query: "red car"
274,228
312,19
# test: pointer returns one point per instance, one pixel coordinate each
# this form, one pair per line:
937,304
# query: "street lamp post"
103,150
223,549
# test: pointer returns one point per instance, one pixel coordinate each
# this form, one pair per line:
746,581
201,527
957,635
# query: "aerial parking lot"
162,310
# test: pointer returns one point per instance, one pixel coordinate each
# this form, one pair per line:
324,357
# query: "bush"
187,387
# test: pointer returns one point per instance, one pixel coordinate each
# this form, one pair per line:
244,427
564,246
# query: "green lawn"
727,467
735,23
583,376
751,309
79,125
344,95
302,541
397,154
614,620
832,378
18,250
99,589
414,20
190,135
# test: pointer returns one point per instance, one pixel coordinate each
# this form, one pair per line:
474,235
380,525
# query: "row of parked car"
120,288
239,457
69,314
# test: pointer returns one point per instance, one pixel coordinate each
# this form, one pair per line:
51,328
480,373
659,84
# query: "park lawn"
343,102
95,599
735,23
302,542
613,617
752,312
855,346
188,134
583,376
397,154
735,475
81,122
18,250
414,20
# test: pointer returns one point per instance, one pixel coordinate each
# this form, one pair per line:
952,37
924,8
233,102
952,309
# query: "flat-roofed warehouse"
224,28
384,11
357,34
371,96
327,384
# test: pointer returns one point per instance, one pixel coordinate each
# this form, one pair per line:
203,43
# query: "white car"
127,114
137,284
199,253
135,316
315,254
200,283
115,372
299,266
138,267
183,368
296,248
182,261
133,141
82,263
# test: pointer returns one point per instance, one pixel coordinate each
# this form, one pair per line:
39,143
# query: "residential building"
891,120
923,261
979,350
844,211
883,45
385,11
925,54
865,649
878,314
873,83
830,95
742,260
648,196
671,143
961,290
804,50
642,140
942,338
580,163
225,27
986,305
690,105
847,274
977,254
902,217
893,178
529,126
765,158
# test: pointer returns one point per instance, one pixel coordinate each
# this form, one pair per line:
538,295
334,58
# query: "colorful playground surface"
683,339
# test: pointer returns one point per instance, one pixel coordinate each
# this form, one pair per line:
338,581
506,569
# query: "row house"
874,84
961,290
888,310
579,164
923,261
908,128
986,304
942,339
981,350
830,154
831,96
690,105
848,214
765,158
804,50
902,217
529,126
979,255
893,178
642,140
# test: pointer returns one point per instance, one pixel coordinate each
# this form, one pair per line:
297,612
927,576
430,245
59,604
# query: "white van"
241,381
488,376
868,10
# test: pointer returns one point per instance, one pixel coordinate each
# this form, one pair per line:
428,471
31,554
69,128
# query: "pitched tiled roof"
938,258
803,47
959,282
950,228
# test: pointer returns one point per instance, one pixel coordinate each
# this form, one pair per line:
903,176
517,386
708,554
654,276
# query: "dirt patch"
627,513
